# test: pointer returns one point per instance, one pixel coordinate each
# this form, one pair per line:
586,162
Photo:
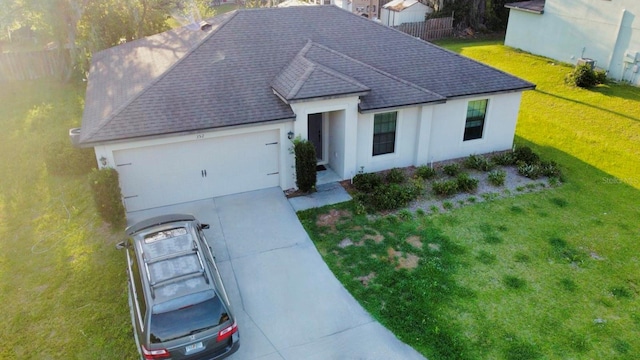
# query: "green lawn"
547,275
61,279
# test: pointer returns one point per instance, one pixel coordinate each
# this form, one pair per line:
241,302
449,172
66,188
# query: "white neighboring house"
604,32
399,12
187,115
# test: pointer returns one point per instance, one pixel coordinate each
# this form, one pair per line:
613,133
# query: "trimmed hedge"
306,161
107,196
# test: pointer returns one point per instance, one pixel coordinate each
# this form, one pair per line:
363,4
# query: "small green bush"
497,177
107,196
466,183
395,176
550,169
478,162
391,197
601,76
451,169
526,155
445,187
532,171
62,159
582,76
504,159
306,161
426,172
367,182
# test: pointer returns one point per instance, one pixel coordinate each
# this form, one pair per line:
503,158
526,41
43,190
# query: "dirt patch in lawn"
404,261
415,241
332,218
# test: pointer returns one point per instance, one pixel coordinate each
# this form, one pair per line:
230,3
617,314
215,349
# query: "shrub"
445,187
601,76
526,155
504,159
478,162
107,196
63,159
306,161
583,76
426,172
550,169
451,169
466,183
532,171
395,176
391,197
497,177
367,182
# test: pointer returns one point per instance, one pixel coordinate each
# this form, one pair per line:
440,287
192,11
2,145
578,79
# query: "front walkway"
288,303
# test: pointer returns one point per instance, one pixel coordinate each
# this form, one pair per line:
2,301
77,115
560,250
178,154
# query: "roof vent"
205,26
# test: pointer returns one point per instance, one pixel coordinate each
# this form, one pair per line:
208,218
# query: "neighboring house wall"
605,31
414,13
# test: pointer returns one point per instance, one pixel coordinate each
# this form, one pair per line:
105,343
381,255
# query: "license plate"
194,347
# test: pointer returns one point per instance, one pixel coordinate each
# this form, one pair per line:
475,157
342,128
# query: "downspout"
615,43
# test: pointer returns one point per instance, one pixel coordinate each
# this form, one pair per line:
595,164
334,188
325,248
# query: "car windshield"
187,320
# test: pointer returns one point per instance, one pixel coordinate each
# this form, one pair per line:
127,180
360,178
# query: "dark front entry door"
314,133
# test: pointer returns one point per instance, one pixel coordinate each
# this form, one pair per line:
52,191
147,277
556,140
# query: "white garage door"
169,174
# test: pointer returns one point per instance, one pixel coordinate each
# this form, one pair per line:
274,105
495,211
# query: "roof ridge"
380,71
230,15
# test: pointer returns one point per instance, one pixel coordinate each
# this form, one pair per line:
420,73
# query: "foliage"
526,155
504,159
306,162
550,168
585,77
367,182
466,183
426,172
444,187
478,162
532,171
478,14
63,159
107,196
601,76
395,176
497,177
451,169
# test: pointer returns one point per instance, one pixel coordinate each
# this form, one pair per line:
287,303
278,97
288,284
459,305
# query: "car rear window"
187,320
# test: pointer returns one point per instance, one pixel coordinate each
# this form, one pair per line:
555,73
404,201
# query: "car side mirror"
122,245
204,226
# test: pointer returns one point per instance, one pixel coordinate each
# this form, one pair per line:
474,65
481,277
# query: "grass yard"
61,279
547,275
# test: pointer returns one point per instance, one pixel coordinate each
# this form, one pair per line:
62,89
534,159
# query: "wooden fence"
431,29
29,65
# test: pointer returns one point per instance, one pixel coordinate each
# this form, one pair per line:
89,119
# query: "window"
474,125
384,133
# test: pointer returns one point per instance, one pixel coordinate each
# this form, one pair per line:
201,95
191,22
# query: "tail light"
227,332
155,354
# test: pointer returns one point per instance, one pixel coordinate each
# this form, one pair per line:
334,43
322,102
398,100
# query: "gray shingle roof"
181,81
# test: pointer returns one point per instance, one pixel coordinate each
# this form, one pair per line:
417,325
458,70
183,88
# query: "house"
186,115
598,32
398,12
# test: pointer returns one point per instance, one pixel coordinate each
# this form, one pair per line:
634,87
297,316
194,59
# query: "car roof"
171,259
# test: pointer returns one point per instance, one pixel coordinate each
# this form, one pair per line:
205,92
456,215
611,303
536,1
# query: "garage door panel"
174,173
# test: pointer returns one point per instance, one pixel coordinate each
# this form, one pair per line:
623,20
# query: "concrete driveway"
288,303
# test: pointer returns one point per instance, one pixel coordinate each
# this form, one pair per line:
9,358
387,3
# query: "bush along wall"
107,196
306,175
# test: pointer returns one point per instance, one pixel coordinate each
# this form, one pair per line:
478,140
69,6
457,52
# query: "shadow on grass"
594,106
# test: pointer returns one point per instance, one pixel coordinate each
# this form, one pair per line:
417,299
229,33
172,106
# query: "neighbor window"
384,133
474,125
